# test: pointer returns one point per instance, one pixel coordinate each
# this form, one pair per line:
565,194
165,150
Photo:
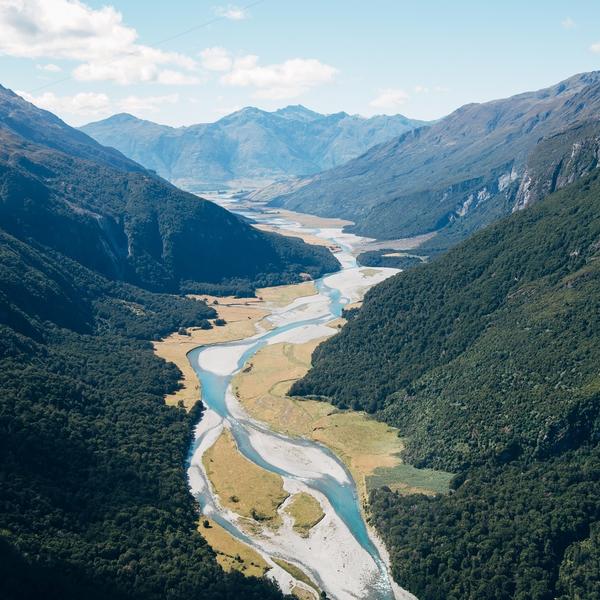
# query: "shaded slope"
132,225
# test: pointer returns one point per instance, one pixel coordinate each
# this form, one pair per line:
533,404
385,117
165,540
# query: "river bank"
244,386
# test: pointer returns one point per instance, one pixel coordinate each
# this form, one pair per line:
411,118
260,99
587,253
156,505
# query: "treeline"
93,495
487,359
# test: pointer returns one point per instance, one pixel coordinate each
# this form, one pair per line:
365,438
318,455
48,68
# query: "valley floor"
268,504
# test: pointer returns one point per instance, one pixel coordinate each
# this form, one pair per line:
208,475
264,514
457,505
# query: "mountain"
250,147
453,177
63,190
486,359
94,500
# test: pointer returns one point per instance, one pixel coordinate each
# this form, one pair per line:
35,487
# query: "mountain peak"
298,112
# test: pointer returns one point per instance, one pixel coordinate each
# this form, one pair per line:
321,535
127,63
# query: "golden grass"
232,554
241,485
282,295
306,512
361,442
241,316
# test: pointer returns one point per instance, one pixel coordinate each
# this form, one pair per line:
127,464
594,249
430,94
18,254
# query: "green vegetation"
94,501
405,477
486,359
523,530
389,258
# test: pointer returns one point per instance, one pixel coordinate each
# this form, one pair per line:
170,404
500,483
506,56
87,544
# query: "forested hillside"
94,501
488,361
106,212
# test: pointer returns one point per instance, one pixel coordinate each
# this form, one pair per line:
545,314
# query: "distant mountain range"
249,148
62,190
467,169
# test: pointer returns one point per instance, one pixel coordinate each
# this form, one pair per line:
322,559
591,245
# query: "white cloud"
83,104
568,23
50,68
234,13
421,89
146,104
216,59
389,99
98,39
595,47
279,81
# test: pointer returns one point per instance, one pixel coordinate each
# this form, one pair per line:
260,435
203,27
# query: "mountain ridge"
250,147
454,176
115,217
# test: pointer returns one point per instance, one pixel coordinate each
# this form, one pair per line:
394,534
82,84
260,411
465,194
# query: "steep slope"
94,500
42,127
487,360
127,223
457,175
250,147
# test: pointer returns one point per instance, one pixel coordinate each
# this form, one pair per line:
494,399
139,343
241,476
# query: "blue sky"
88,59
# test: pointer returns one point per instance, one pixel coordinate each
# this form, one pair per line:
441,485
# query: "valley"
298,354
295,449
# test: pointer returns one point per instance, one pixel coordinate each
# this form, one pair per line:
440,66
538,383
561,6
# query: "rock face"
558,161
250,147
462,172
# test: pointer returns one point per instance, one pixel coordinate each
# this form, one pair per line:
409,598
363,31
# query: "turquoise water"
342,496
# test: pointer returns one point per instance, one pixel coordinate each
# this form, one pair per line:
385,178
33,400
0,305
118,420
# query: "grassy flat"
241,485
368,447
306,512
282,295
302,593
232,554
407,479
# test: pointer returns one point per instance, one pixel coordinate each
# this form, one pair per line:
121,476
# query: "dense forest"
94,501
487,360
93,497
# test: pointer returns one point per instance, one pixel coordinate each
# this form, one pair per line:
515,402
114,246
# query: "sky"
191,61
